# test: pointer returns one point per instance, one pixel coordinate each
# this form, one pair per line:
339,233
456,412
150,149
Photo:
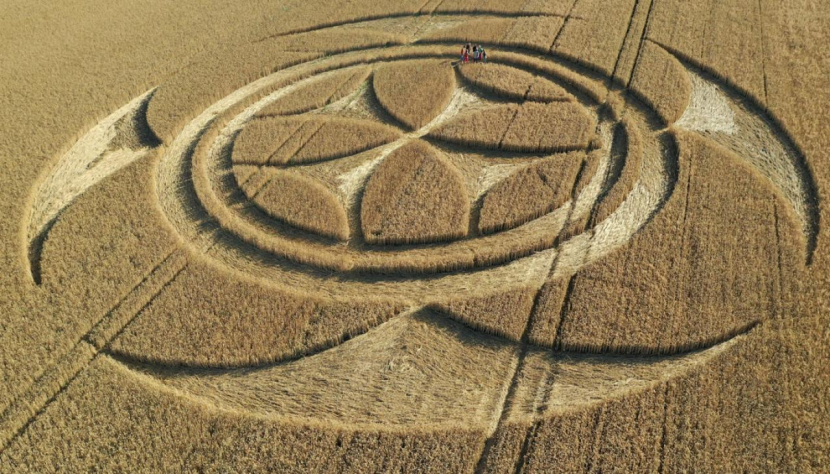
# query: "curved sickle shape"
731,118
113,143
367,382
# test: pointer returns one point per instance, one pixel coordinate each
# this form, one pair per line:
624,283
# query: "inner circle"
202,152
537,234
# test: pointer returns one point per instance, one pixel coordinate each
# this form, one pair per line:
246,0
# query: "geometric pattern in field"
483,243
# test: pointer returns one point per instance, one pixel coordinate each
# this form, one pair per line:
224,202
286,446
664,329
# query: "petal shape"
303,203
293,140
512,83
319,92
415,92
415,195
531,128
530,193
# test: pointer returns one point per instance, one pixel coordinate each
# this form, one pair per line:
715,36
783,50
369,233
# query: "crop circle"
483,148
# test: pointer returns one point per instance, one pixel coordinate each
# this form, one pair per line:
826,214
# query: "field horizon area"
524,236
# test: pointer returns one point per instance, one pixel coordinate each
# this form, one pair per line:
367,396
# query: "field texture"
307,237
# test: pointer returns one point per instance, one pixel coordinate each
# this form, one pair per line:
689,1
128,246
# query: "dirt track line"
521,461
483,460
530,433
55,379
563,311
763,42
437,6
507,129
625,42
116,320
525,346
29,405
599,426
663,434
642,40
565,21
481,465
423,5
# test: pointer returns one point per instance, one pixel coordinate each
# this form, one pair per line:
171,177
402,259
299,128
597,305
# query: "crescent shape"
113,143
734,120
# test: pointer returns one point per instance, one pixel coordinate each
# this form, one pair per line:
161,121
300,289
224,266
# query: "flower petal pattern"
303,203
307,139
530,128
415,195
415,92
529,193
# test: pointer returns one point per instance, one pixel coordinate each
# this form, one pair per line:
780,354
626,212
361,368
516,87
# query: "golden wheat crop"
262,138
319,93
237,324
277,140
661,80
195,87
109,395
597,40
625,173
577,224
504,314
530,127
512,83
337,138
303,203
302,238
485,31
491,6
530,193
337,40
242,173
535,32
250,231
414,92
414,196
662,277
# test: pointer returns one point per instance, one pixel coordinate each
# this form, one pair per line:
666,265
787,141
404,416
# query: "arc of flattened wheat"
91,159
734,120
717,111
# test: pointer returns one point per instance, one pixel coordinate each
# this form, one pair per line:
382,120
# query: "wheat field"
309,237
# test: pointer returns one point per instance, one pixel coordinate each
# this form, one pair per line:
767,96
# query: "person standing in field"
466,56
483,56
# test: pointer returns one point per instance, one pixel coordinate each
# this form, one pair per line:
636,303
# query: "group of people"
478,54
